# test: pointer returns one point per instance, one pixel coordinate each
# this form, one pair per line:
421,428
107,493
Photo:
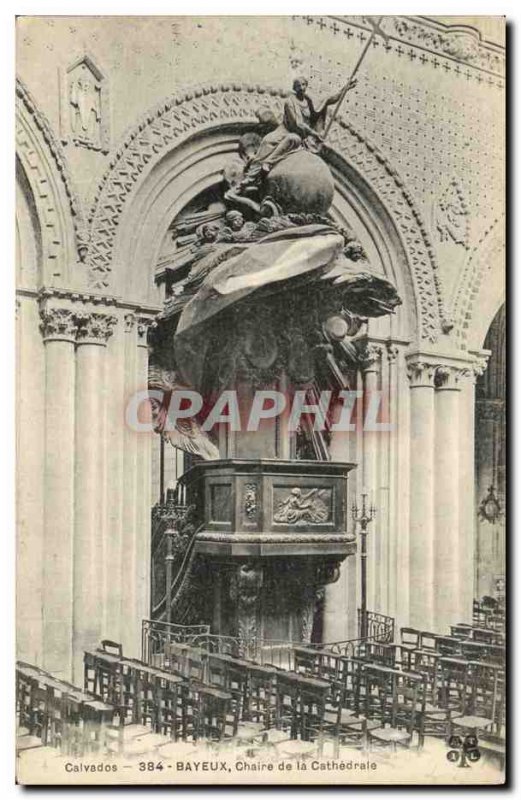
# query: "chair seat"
357,723
296,747
249,730
435,714
99,705
390,735
346,715
129,732
472,722
274,736
176,750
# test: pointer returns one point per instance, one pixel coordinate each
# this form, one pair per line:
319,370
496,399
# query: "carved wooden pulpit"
262,294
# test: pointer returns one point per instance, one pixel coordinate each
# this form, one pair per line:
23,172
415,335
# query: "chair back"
427,640
115,648
410,636
408,703
455,684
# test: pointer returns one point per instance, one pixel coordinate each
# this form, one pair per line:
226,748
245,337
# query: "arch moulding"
181,117
57,204
481,289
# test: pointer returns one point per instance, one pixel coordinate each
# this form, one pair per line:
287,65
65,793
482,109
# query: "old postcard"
261,400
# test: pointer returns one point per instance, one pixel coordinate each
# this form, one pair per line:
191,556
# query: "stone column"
30,433
421,526
130,488
371,368
447,556
402,489
143,496
59,331
337,610
137,501
488,434
393,578
467,490
94,330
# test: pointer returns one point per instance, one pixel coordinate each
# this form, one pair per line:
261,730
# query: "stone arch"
218,114
44,180
481,288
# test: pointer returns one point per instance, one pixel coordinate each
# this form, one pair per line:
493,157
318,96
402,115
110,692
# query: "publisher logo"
463,752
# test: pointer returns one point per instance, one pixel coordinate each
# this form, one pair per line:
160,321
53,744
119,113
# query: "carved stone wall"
427,114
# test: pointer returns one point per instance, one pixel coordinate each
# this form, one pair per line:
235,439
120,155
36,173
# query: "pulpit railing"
375,627
278,652
156,635
174,526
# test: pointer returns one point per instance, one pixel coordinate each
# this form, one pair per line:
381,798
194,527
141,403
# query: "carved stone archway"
481,288
231,107
59,212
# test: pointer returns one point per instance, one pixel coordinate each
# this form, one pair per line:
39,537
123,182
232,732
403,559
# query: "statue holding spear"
302,124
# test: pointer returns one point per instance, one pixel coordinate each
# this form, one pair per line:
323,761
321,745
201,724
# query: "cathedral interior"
261,374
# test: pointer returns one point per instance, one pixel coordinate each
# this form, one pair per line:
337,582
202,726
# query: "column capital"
130,322
143,323
420,373
58,324
369,355
94,327
479,362
449,376
444,370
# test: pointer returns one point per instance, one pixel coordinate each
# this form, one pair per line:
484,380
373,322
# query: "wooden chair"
455,687
314,694
216,671
170,699
237,683
73,736
378,653
23,697
448,646
402,712
461,631
287,698
39,710
331,667
261,707
436,715
98,719
428,641
306,661
409,642
175,657
217,714
114,648
195,665
484,709
484,635
344,724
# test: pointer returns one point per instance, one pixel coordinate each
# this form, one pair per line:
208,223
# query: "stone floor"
182,762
